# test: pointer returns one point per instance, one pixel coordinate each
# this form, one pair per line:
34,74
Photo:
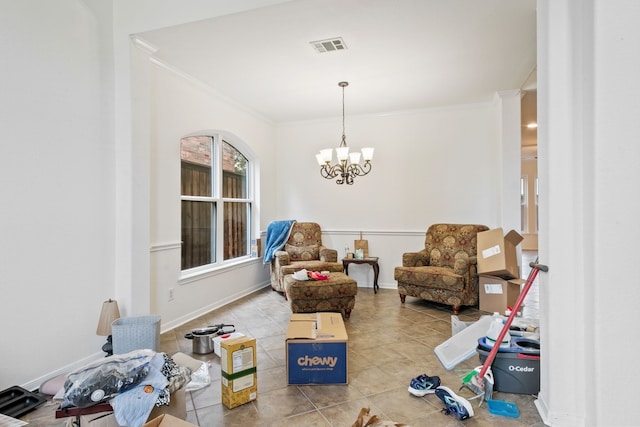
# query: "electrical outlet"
170,294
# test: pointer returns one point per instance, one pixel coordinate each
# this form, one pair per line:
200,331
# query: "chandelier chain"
343,143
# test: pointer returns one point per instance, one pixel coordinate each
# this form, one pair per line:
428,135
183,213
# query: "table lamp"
108,314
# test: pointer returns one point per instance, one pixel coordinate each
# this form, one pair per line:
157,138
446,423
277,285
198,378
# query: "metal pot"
203,339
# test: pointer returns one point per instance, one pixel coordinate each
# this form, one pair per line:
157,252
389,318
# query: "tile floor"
389,343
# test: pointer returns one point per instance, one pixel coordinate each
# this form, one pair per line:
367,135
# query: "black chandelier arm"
329,172
339,171
345,173
357,170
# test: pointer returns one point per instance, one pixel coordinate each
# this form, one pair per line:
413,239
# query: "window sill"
194,276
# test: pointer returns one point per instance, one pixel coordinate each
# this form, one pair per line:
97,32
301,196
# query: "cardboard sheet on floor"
462,345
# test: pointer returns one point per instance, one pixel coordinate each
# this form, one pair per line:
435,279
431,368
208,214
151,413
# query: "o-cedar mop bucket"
481,380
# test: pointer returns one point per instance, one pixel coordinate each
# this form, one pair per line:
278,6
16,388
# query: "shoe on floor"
423,385
454,404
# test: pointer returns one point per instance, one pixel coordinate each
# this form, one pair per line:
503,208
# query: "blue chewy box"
316,346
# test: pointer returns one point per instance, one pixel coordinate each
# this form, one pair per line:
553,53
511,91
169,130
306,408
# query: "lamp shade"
342,153
326,154
108,314
367,154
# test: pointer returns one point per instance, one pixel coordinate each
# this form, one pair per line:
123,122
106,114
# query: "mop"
480,380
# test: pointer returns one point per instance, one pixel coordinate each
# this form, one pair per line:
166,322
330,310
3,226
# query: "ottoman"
338,293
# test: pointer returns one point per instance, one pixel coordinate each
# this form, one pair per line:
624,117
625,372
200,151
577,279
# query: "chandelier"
348,166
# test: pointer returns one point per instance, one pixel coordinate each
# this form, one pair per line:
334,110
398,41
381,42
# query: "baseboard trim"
208,308
34,384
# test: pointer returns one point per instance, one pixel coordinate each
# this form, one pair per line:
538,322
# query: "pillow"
302,253
53,385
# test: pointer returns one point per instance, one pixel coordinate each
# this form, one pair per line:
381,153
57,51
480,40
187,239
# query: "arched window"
217,201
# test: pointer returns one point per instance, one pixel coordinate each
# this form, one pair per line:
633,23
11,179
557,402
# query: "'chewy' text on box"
317,363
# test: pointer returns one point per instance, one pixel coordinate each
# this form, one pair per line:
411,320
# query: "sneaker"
454,404
423,385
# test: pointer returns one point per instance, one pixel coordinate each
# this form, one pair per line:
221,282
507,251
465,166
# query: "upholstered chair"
445,271
303,250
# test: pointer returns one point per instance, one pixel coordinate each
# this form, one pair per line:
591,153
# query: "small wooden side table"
372,261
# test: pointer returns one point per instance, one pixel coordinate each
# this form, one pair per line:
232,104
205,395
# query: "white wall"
588,166
133,138
428,166
180,106
440,165
76,224
57,191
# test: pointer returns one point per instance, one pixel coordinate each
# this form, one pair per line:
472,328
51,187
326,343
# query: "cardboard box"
497,253
166,420
238,365
177,408
316,347
218,339
496,293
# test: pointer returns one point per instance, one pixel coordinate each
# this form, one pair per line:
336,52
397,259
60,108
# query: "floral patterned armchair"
445,271
303,250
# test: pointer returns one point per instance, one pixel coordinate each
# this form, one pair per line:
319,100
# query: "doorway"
529,171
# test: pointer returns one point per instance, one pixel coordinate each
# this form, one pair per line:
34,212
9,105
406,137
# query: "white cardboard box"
218,339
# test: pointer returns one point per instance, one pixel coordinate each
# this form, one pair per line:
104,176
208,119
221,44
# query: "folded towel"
277,235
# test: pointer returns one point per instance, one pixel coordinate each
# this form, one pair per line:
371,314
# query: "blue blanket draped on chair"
277,236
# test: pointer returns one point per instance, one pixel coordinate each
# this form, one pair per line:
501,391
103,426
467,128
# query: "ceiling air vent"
329,45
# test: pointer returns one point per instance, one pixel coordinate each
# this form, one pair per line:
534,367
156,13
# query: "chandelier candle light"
348,166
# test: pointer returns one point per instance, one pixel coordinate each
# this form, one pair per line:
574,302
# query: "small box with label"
496,293
238,368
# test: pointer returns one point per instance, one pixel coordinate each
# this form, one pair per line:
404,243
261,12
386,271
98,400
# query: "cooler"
516,369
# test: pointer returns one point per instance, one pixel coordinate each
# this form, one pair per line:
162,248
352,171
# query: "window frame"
219,264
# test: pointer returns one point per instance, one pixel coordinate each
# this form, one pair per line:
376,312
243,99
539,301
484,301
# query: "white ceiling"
401,54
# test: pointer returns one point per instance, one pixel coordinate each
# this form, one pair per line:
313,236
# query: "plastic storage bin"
462,345
135,333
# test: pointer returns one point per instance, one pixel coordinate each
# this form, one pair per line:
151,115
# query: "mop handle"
535,267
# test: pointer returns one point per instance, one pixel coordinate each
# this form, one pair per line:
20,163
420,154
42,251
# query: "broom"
480,380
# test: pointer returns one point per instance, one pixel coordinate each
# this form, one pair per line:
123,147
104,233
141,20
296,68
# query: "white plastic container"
494,331
462,345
